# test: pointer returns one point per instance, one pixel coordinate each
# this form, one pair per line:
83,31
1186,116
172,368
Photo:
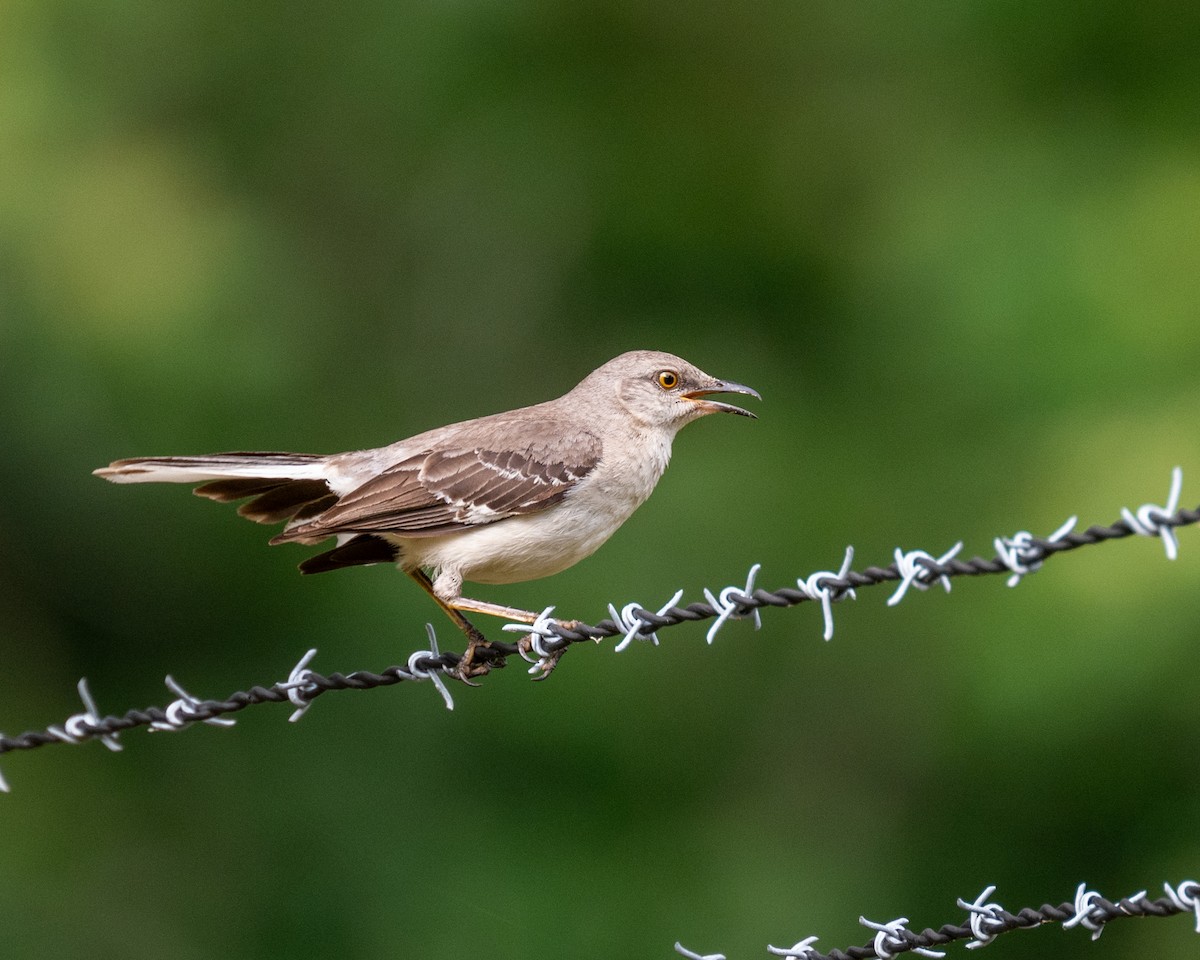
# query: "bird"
504,498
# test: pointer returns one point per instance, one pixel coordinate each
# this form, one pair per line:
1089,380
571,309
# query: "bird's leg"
493,610
454,610
474,637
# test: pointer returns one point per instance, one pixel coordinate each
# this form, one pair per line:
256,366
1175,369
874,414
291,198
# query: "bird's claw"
467,667
544,665
466,677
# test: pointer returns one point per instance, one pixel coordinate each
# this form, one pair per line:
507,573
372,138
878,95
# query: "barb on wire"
181,713
816,586
299,686
1020,552
919,569
1185,897
536,634
1151,520
893,937
733,604
1086,913
548,638
986,921
83,726
417,670
636,628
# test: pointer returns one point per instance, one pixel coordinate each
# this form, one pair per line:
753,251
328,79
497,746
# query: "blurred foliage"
957,247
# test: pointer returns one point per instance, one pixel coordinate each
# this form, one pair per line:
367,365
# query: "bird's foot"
543,666
546,662
467,667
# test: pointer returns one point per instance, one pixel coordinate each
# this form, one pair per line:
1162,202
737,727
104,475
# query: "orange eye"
668,379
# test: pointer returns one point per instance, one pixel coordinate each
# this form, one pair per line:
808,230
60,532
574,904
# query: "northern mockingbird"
508,497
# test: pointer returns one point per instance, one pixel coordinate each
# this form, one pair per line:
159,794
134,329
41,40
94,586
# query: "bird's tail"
285,486
215,466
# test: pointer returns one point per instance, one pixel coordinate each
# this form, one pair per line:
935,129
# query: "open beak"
715,406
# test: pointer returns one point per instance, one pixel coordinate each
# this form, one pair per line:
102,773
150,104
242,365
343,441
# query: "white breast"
547,542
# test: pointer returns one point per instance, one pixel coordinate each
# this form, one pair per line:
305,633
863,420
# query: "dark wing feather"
274,500
360,550
440,491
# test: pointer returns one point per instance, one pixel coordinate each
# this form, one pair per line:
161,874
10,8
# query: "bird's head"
662,390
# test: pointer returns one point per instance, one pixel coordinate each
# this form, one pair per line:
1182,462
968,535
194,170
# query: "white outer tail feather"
215,467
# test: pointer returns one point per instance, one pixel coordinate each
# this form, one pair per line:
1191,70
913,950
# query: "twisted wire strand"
987,921
557,636
1038,551
1027,918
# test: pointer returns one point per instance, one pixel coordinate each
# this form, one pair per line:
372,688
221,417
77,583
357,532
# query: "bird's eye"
668,379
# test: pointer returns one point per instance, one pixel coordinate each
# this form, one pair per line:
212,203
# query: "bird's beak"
715,406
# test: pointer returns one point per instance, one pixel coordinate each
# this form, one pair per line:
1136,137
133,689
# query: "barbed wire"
545,641
986,921
1018,555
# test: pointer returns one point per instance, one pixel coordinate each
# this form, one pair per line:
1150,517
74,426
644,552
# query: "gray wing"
446,489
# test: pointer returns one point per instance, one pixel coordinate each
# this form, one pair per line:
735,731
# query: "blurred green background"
957,248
